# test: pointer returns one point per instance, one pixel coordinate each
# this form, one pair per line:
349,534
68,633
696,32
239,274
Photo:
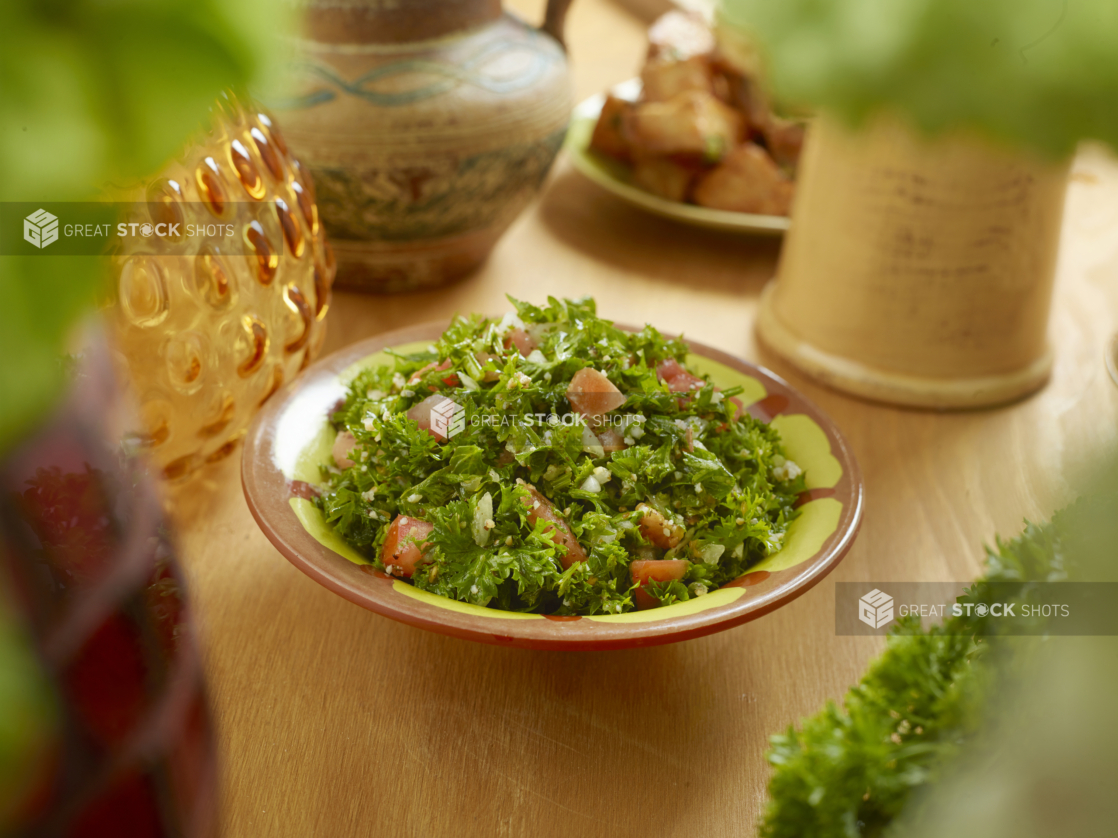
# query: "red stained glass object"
84,546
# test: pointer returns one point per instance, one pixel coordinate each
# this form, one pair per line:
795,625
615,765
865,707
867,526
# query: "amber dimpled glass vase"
215,316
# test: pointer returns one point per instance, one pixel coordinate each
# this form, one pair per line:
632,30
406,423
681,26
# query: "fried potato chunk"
785,139
666,78
609,137
664,177
680,34
746,181
694,123
745,94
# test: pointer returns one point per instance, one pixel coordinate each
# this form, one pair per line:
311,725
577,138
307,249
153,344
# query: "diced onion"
483,513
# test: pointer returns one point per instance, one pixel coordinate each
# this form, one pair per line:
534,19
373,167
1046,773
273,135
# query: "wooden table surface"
333,721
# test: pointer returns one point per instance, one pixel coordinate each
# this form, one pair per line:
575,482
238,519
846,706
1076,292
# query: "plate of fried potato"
693,139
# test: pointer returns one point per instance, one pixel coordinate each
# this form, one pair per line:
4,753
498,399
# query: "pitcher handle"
554,19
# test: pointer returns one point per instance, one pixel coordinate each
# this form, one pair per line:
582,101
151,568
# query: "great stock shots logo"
1004,608
448,418
97,228
875,609
40,228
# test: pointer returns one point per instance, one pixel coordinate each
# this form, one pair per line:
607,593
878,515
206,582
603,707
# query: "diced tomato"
738,413
540,507
421,414
658,570
611,440
592,394
419,373
523,341
451,380
403,547
657,529
343,444
644,600
681,381
677,378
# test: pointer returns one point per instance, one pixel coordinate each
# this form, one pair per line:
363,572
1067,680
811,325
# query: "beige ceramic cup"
916,271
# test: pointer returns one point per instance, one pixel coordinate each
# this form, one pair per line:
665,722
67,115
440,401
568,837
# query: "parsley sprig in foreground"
849,771
678,489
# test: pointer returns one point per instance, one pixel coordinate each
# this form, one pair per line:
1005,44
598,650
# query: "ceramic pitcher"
428,126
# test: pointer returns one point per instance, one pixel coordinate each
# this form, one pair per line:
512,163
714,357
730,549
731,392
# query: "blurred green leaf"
93,93
42,298
96,93
1048,762
28,717
1035,73
933,709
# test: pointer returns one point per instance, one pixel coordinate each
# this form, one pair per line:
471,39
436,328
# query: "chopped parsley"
490,499
926,702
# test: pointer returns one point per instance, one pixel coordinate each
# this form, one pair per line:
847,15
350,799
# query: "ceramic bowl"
291,435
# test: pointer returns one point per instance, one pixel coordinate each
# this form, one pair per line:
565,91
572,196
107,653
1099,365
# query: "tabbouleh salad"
551,462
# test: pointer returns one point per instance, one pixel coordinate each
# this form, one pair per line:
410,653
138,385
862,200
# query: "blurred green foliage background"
1046,763
1036,73
96,93
27,718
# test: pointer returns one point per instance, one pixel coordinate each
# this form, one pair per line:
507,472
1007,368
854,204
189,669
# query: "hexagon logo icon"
875,609
448,419
40,228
